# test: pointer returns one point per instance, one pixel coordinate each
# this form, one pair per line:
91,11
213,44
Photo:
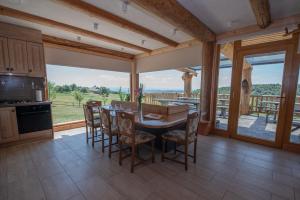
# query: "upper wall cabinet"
4,60
36,64
17,56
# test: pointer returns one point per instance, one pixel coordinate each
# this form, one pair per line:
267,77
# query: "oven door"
34,118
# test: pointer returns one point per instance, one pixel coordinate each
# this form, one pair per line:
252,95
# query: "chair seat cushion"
178,136
96,123
114,131
140,137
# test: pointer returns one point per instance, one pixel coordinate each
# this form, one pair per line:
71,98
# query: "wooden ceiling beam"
177,15
116,20
261,10
84,48
244,32
5,11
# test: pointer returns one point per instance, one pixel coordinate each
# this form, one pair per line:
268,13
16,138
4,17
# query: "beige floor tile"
97,188
59,186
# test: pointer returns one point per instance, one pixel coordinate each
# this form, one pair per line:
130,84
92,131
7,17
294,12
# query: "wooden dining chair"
109,128
183,137
92,120
130,136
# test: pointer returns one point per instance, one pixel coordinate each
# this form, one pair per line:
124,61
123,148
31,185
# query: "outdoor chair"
109,128
128,135
183,137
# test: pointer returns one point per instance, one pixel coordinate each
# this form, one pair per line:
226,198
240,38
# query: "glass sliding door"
223,92
261,95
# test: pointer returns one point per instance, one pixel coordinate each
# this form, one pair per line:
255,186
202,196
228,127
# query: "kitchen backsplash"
20,87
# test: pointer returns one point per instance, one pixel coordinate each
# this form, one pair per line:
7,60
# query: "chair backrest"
88,113
192,124
94,103
126,124
105,120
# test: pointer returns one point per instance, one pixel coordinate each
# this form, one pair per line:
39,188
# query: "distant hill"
260,89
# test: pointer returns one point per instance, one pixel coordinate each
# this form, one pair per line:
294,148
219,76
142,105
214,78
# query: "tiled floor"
68,168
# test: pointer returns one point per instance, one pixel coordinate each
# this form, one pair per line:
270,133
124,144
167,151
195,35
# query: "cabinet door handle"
30,70
7,69
13,111
11,69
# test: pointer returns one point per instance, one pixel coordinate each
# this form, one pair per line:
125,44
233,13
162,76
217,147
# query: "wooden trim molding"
68,125
84,48
176,14
182,45
261,10
97,12
5,11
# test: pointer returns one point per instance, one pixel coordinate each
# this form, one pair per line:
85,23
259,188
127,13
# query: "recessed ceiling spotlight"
96,26
78,38
143,42
125,6
174,31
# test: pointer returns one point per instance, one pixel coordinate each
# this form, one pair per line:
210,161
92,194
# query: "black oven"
32,118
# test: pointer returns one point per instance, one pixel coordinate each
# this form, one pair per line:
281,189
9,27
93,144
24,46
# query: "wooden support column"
206,79
134,81
187,78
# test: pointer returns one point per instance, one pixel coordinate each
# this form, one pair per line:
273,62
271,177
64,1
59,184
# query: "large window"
70,88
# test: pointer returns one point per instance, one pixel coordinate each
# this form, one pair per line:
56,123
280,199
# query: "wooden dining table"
155,126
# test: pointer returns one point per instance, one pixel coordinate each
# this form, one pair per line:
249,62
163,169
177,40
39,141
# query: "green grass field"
65,108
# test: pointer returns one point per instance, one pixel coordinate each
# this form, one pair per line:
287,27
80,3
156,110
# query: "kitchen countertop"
24,104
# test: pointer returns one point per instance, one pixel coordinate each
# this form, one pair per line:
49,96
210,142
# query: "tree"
52,90
103,91
122,95
78,96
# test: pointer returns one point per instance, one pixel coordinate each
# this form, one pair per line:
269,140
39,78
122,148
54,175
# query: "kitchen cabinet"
4,60
36,63
17,56
8,125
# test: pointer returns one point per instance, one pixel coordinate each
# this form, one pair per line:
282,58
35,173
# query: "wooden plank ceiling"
168,11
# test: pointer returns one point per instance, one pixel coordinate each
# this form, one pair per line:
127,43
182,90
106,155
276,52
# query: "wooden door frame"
241,52
293,82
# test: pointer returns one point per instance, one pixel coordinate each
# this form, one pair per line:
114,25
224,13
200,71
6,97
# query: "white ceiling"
54,10
225,15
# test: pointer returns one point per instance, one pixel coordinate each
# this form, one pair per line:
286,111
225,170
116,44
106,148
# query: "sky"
261,74
168,79
159,80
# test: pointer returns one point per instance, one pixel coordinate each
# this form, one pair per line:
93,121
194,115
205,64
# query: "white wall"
75,59
185,57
